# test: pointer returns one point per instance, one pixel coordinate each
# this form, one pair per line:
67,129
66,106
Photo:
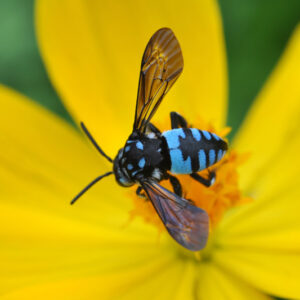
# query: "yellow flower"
50,250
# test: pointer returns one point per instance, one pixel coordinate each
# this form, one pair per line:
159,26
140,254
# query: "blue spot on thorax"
142,163
134,173
139,145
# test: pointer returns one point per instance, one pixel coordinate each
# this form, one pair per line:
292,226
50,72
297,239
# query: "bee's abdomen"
192,150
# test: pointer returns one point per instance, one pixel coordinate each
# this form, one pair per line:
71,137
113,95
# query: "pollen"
216,199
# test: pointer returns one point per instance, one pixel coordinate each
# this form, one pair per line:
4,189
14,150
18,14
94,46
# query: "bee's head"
120,172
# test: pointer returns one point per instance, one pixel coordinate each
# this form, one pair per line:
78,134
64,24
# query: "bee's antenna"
94,142
90,185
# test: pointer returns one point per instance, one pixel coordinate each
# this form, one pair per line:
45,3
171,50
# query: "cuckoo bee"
150,156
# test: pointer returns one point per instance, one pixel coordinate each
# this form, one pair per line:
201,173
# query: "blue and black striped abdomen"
192,150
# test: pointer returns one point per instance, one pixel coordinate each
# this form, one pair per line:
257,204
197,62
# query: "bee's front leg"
154,129
140,192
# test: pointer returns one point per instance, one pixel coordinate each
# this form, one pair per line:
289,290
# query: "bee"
150,156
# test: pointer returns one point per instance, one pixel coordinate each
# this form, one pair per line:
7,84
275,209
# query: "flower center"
216,199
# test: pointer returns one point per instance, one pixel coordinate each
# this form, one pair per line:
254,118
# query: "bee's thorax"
144,155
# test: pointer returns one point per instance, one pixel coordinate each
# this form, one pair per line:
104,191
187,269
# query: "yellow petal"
186,287
215,283
265,225
273,272
93,50
44,163
46,157
159,279
261,241
273,122
156,279
273,216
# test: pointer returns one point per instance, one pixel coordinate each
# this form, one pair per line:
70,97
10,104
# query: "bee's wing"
186,223
162,64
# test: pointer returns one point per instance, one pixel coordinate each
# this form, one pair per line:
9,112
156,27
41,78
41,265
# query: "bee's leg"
175,184
140,192
207,182
177,121
154,129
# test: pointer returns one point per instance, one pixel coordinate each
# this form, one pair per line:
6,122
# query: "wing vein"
163,61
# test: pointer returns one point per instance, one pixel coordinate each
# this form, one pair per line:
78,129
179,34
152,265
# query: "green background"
256,32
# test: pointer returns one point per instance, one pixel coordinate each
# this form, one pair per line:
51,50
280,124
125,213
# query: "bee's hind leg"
177,121
207,182
175,184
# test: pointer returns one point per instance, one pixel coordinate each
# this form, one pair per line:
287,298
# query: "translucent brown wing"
162,64
186,223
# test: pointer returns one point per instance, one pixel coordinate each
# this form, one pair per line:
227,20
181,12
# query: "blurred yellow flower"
50,250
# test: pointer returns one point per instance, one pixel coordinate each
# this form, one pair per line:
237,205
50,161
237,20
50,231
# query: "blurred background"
256,33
